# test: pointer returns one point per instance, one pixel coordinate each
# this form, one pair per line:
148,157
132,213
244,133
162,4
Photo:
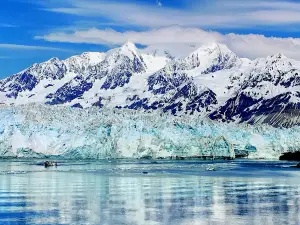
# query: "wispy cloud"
31,47
251,46
217,14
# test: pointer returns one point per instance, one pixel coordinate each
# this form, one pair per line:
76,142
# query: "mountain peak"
213,57
54,59
279,56
129,45
129,49
210,48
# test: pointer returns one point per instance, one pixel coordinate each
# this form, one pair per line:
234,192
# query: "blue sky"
36,30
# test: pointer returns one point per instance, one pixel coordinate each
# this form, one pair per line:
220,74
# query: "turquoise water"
149,192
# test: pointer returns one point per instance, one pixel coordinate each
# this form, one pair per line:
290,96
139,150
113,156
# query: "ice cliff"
38,130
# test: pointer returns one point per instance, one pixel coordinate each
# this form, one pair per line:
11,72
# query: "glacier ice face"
40,130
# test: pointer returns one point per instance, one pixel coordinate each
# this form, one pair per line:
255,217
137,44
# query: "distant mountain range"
210,82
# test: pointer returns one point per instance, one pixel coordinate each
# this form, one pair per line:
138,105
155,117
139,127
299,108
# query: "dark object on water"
145,172
146,157
48,164
290,156
180,158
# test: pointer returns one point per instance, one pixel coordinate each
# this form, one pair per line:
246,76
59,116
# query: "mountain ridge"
211,81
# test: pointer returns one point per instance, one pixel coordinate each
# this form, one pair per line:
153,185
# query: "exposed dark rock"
71,90
77,105
290,156
49,164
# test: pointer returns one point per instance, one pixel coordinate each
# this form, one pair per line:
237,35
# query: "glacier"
38,131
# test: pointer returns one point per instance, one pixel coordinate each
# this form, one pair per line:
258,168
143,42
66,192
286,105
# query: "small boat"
49,163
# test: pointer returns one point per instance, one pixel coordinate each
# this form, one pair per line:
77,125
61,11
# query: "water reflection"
66,197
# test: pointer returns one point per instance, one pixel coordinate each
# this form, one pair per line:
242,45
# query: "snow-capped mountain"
211,82
267,91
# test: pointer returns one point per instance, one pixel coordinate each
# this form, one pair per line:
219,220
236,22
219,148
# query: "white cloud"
31,47
164,26
215,14
251,46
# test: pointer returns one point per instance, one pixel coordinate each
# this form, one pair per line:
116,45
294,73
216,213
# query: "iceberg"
38,130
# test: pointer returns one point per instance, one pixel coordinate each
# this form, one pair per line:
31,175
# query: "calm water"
173,192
